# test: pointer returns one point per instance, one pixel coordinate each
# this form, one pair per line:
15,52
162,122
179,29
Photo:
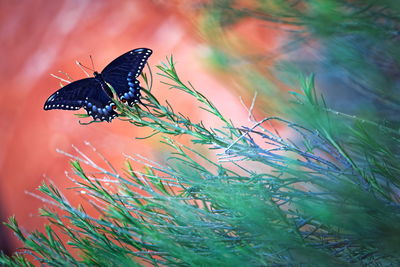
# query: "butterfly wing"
122,72
86,93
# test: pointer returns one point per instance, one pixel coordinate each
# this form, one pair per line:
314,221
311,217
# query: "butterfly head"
98,76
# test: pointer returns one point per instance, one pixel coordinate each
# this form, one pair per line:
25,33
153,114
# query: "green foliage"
318,189
351,46
265,199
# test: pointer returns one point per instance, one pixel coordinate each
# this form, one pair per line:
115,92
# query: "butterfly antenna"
81,66
91,59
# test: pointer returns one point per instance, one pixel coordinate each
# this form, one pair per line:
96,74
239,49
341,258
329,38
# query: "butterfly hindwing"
87,94
122,72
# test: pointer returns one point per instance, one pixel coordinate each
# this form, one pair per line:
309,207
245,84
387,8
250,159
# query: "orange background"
42,37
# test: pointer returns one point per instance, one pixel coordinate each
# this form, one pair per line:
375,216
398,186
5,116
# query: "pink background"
41,37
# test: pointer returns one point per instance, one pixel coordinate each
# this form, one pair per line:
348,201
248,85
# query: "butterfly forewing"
85,93
122,72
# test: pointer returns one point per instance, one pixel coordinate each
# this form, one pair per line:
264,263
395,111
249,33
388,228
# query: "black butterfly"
94,95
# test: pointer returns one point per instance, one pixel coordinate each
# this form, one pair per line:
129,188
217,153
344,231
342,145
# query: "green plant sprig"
264,200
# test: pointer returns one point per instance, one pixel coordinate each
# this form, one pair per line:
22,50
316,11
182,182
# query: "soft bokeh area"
39,38
272,138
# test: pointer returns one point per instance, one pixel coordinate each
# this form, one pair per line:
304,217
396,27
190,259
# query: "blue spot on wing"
122,72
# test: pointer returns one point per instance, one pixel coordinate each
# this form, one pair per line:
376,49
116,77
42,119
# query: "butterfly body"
94,94
99,78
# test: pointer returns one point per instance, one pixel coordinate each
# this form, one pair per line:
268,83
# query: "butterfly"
95,96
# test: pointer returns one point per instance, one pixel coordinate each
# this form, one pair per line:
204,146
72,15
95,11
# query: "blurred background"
40,37
227,49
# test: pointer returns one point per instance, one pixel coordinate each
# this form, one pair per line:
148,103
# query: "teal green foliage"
266,200
351,46
318,189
